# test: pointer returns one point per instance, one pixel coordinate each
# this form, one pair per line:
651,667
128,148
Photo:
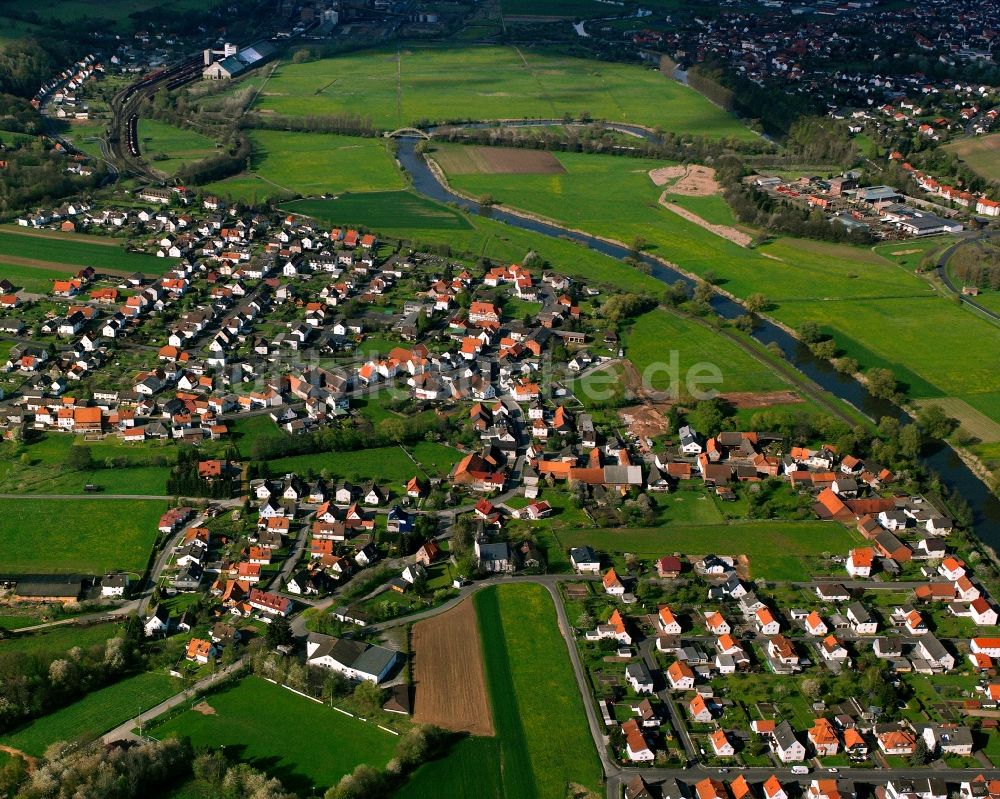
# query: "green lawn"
396,88
77,253
180,145
285,163
84,136
472,767
676,354
77,536
534,695
303,743
386,464
95,713
32,278
876,308
57,641
776,550
388,211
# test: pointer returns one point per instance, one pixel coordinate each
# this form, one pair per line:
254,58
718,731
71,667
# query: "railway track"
126,106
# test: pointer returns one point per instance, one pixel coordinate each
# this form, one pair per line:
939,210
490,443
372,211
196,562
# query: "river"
940,459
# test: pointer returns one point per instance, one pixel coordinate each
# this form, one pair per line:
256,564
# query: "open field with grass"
40,467
32,278
656,340
472,767
84,135
302,743
396,89
533,693
877,310
95,714
981,153
180,145
776,550
389,465
285,163
57,641
87,536
426,223
387,211
75,252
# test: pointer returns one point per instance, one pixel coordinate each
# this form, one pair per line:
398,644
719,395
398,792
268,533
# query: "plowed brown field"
448,673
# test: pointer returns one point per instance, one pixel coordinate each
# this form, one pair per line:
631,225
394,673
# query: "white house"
356,660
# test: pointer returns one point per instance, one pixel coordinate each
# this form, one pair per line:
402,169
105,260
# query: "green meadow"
428,223
303,743
76,252
95,713
776,550
656,338
289,163
534,695
87,536
876,307
180,145
397,88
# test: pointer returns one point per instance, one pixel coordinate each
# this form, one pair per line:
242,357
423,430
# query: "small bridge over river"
407,132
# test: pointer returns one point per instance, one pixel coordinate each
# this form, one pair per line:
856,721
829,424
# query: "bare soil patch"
754,399
904,252
693,180
204,708
645,421
448,672
723,231
497,161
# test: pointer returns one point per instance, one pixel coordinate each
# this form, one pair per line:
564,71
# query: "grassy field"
387,464
285,164
32,279
180,145
472,767
57,641
424,222
654,338
44,469
776,550
534,695
981,153
398,88
77,536
95,714
84,135
877,309
302,743
388,211
75,252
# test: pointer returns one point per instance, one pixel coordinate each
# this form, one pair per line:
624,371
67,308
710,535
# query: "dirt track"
448,673
724,231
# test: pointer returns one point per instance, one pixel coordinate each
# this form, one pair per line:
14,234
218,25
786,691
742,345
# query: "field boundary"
737,237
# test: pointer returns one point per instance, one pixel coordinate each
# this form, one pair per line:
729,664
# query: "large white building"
356,660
